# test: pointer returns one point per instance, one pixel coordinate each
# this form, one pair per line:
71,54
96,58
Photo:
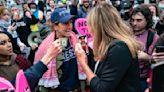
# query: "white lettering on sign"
68,54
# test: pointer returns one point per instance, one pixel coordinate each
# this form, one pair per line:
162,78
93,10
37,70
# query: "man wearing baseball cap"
63,71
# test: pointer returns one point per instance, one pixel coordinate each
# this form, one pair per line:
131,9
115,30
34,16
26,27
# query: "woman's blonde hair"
106,24
2,10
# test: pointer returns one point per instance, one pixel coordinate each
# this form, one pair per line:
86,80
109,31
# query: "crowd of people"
40,37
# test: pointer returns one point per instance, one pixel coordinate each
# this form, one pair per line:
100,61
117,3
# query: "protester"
155,14
161,5
141,23
18,58
160,25
111,36
51,4
6,26
21,28
36,12
9,67
158,67
20,23
5,19
63,71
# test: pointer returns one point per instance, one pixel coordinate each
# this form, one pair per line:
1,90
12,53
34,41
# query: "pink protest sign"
82,28
5,85
21,83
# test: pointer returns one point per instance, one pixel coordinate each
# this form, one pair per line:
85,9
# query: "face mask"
33,10
155,18
118,2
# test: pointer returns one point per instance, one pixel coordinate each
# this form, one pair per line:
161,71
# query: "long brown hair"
106,24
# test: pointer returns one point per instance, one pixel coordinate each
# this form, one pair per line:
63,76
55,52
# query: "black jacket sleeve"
34,73
112,70
32,20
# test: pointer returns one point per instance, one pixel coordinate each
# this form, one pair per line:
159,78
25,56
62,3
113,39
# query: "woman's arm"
82,58
116,64
35,72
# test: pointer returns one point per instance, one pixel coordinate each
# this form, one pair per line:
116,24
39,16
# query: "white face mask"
155,18
33,10
118,2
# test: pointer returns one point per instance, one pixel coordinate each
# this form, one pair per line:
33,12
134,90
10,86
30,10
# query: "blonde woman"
115,50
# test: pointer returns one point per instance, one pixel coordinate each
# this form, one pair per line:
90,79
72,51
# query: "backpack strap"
149,39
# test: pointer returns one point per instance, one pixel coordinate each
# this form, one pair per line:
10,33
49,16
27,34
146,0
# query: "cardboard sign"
82,29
